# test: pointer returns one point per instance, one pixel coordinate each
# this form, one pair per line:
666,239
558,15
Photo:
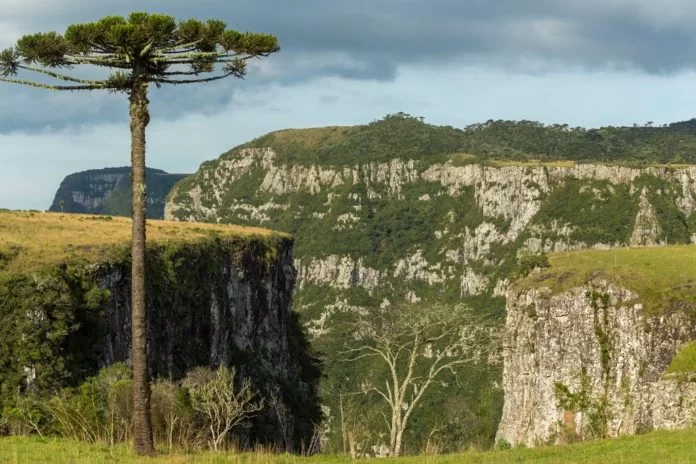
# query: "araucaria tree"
137,51
417,345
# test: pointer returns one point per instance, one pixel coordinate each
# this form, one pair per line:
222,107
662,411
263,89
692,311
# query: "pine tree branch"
62,77
188,56
102,48
186,46
109,61
181,73
194,81
58,87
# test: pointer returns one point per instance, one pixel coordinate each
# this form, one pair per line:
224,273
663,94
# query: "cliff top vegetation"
32,240
498,141
661,276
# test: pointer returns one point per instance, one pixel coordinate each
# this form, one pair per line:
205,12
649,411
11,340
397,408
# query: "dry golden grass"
42,239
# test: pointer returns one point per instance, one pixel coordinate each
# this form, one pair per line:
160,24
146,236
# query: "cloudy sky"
454,62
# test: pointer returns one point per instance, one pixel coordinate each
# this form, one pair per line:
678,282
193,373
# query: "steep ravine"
407,230
222,303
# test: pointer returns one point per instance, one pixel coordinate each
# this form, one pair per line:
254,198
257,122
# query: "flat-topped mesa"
590,346
107,191
215,295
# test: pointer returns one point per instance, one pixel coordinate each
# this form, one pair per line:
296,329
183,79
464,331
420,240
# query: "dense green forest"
410,137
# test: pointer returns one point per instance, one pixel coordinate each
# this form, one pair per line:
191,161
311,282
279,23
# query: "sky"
586,63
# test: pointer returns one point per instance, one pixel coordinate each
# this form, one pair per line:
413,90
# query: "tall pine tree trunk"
142,426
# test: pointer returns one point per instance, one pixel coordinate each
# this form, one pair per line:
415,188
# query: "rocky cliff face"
107,191
471,218
221,303
423,228
590,362
223,297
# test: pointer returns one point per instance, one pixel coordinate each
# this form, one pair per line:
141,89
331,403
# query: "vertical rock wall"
588,362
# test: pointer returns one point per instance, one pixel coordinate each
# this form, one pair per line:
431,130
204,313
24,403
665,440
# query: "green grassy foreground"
661,446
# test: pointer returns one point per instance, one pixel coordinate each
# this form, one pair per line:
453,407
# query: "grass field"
660,275
32,240
662,446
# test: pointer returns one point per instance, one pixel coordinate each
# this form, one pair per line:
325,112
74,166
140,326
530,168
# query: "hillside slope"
398,212
107,191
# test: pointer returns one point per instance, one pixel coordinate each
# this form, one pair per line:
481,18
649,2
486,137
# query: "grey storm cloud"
370,39
643,34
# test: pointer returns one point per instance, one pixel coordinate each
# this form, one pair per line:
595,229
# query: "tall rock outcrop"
593,360
107,191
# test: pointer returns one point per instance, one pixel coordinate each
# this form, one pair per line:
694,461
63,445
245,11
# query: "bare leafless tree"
417,344
222,405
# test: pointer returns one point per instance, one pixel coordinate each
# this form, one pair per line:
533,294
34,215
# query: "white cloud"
9,33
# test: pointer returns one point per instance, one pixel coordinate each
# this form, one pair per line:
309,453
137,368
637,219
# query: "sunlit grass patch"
662,276
684,362
32,240
654,447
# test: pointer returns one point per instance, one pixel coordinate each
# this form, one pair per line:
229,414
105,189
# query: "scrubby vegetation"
203,411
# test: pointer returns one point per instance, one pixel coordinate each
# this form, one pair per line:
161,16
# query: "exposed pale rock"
321,325
646,231
339,272
596,341
346,221
501,287
477,245
411,297
473,284
416,267
261,213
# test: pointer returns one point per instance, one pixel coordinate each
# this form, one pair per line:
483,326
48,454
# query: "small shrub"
528,263
99,410
502,444
25,416
221,405
174,420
